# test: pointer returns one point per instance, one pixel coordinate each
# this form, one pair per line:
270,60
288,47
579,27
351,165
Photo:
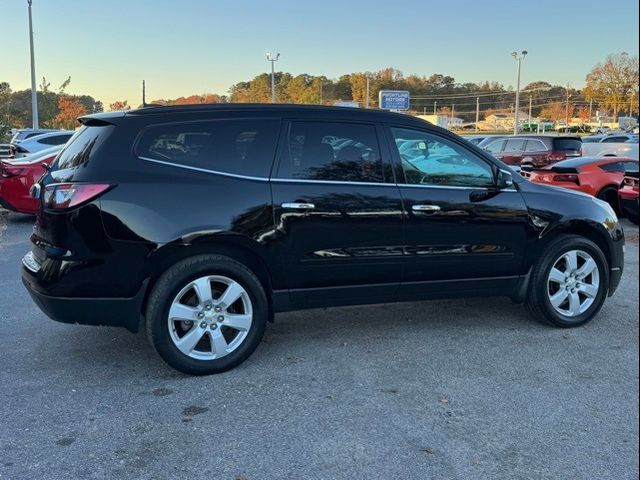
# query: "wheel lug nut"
221,318
203,325
213,326
217,309
200,315
207,307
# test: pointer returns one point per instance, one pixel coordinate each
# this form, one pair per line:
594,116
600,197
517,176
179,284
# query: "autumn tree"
614,83
583,114
557,112
70,108
119,105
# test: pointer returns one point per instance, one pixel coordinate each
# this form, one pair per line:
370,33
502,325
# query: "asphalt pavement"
455,389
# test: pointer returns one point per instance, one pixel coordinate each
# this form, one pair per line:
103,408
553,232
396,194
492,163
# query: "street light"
273,60
518,60
34,92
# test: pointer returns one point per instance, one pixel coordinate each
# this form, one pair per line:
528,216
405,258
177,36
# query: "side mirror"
504,179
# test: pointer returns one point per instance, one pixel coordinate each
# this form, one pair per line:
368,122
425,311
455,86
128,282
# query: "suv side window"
515,145
241,147
535,146
332,151
428,159
495,147
630,167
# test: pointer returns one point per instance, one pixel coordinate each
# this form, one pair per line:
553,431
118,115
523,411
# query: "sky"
186,47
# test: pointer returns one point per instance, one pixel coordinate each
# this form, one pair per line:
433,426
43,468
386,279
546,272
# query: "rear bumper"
112,312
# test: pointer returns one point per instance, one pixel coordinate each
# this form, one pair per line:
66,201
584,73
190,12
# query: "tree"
70,108
583,114
614,83
119,105
557,112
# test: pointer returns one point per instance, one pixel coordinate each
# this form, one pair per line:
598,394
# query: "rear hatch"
566,147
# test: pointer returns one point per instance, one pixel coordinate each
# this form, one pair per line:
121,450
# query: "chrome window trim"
321,182
204,170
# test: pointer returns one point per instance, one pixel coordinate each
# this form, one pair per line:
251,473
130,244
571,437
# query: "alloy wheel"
573,283
210,317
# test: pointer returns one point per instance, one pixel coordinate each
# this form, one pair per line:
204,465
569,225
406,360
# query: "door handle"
426,208
298,206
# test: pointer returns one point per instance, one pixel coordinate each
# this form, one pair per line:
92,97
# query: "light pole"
273,60
518,59
366,102
34,92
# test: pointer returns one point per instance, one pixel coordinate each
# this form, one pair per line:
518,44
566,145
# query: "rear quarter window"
573,145
80,147
241,147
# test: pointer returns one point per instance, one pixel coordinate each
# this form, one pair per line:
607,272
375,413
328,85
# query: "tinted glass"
495,147
428,159
243,147
612,167
515,145
630,167
55,140
615,140
535,146
78,151
332,151
567,145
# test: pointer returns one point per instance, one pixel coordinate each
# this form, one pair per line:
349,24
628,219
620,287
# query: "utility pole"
424,110
435,104
144,94
590,108
34,92
477,112
366,102
273,60
321,102
566,110
453,108
518,60
530,104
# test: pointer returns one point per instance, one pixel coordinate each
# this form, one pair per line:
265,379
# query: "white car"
39,142
25,133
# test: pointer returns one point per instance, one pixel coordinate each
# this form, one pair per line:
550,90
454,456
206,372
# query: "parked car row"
29,141
532,151
611,179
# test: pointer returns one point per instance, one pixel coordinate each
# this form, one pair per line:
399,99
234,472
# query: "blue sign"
393,99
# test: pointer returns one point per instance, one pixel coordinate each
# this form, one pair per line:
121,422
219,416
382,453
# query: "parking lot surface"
456,389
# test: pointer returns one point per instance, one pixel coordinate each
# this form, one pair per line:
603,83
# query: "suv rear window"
242,147
567,145
79,147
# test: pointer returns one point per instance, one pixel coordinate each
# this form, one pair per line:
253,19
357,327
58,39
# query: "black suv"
197,223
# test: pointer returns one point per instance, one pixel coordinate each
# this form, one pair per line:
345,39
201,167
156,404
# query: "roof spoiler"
101,119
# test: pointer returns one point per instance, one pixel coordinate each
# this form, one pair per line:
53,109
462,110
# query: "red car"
600,177
17,176
629,197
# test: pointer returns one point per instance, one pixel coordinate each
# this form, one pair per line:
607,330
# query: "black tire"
170,284
538,301
610,195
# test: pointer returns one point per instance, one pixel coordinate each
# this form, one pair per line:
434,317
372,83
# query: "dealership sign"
393,99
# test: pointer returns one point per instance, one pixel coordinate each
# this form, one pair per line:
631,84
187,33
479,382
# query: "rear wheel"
206,314
569,283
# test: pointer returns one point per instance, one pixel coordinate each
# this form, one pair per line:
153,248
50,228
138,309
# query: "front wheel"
569,284
206,314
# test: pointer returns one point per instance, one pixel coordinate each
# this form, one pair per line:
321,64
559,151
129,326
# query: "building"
502,121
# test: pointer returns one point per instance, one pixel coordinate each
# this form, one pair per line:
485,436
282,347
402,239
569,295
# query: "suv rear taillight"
556,157
60,196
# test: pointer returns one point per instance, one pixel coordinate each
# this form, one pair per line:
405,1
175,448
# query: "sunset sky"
196,46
